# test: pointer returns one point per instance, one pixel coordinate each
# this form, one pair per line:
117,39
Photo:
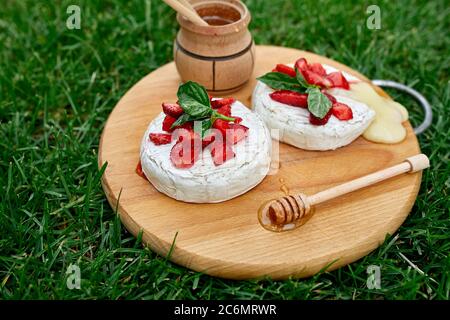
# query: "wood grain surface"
225,239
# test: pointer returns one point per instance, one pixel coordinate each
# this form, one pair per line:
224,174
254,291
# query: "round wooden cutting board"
225,239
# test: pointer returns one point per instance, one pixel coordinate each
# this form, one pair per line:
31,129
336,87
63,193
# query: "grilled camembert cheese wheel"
293,124
206,181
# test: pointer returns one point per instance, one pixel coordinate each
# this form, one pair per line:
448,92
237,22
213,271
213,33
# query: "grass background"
57,87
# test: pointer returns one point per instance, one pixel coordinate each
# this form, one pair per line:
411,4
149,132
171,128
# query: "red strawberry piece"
160,138
342,111
185,135
225,110
236,133
313,73
210,138
221,125
316,79
330,97
188,126
183,156
139,171
172,109
167,123
338,80
291,98
186,151
237,119
317,121
282,68
221,152
216,104
301,64
317,68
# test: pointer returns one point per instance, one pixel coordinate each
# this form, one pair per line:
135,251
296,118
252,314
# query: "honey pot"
219,56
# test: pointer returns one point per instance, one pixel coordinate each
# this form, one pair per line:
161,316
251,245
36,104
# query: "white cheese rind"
204,182
293,124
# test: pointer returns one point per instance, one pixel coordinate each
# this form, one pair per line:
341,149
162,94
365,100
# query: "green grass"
57,87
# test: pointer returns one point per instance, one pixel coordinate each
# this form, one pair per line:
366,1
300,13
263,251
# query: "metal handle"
416,95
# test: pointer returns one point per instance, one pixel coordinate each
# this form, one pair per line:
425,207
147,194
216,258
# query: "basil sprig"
281,81
318,103
194,101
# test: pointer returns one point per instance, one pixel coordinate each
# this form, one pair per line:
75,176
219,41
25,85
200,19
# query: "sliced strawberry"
216,104
172,109
221,125
338,80
330,97
301,64
317,68
236,133
342,111
316,79
139,171
225,110
188,126
313,73
291,98
317,121
186,151
167,123
285,69
185,135
221,152
160,138
210,138
183,156
237,119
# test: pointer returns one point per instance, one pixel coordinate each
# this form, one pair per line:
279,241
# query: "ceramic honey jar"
219,56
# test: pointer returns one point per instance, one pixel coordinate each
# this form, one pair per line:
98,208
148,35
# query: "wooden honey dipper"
184,8
292,211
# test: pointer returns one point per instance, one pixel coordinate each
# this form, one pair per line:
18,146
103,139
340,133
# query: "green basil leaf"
302,80
194,100
182,120
202,127
281,81
318,103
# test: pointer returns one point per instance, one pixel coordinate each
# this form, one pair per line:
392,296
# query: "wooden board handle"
411,164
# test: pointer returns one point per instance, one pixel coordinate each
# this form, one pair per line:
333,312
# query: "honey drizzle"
284,187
